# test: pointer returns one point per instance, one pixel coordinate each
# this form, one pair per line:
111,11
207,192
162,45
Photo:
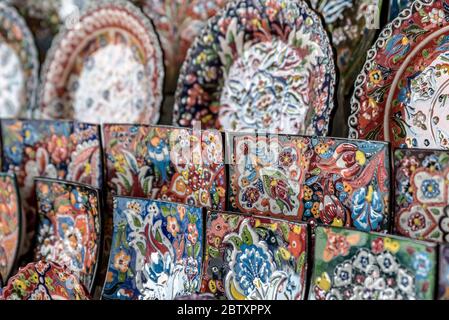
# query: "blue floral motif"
367,211
430,188
432,161
422,264
252,266
15,152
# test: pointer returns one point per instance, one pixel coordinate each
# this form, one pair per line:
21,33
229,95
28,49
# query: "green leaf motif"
246,236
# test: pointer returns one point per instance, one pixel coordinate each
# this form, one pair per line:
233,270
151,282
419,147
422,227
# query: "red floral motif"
377,245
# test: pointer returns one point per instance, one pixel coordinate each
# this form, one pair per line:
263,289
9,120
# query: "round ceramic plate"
44,281
259,64
177,23
44,18
10,224
18,65
352,24
402,92
107,67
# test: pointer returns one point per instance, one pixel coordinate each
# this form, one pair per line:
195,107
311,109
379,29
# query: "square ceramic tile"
421,197
354,265
69,227
157,250
330,181
165,163
443,278
255,258
10,224
54,149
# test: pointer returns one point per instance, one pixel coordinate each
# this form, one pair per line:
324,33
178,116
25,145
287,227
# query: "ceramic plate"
177,23
254,258
19,65
54,149
44,281
328,181
443,289
353,265
353,29
106,68
166,163
44,18
157,250
10,224
399,95
422,204
397,6
69,227
259,64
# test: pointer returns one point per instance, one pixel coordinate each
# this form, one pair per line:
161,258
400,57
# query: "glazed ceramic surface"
253,258
352,25
69,228
443,279
397,6
177,24
259,64
53,149
108,68
157,250
45,18
400,95
422,204
171,164
10,224
19,65
353,265
44,281
319,180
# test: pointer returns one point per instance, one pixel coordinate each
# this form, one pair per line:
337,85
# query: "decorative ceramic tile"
69,228
353,265
397,6
177,24
44,281
399,95
53,149
157,250
352,25
109,71
422,204
254,258
20,66
10,224
328,181
170,164
259,64
443,279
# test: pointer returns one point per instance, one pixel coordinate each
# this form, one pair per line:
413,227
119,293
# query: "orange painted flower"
172,226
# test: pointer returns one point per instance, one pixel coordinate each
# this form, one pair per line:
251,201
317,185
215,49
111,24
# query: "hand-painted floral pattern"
399,95
177,24
421,202
10,224
110,71
352,25
443,279
375,267
44,281
319,180
259,64
254,258
176,165
156,250
69,229
52,149
19,65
